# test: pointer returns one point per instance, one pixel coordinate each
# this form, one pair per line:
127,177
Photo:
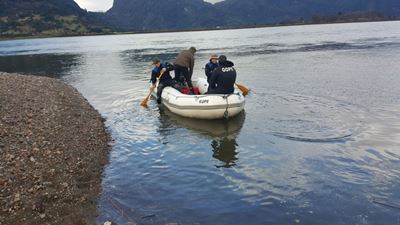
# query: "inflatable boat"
202,106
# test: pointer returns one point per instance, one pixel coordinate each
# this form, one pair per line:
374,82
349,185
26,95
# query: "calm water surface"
318,143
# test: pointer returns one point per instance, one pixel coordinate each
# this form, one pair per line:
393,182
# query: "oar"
146,99
242,88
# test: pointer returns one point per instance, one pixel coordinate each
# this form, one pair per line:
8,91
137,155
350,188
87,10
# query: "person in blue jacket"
223,78
211,66
161,70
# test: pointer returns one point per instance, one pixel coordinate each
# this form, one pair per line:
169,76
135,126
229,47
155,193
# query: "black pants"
182,74
161,87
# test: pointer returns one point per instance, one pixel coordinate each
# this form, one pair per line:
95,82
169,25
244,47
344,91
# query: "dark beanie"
222,58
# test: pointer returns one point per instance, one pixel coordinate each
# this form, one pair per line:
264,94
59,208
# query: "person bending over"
161,70
184,64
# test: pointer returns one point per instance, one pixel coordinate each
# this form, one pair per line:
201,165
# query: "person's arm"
208,71
169,67
213,79
191,65
234,75
153,77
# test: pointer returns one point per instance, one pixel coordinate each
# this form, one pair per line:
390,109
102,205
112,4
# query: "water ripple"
310,119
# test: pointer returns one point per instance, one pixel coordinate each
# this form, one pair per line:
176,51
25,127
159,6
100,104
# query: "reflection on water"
225,150
51,65
223,133
213,128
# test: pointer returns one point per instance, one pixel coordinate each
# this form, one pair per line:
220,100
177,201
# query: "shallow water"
318,142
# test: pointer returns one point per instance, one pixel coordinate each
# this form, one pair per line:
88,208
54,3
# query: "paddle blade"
144,102
146,99
243,89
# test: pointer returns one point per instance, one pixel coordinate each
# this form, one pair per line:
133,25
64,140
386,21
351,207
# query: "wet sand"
53,147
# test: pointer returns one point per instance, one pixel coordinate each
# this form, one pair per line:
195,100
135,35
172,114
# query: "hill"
22,18
271,11
161,14
142,15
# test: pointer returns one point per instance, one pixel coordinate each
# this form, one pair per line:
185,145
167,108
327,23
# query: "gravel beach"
53,147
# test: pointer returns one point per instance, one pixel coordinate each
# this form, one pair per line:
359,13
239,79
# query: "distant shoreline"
199,29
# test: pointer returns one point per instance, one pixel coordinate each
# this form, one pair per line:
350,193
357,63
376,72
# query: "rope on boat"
226,113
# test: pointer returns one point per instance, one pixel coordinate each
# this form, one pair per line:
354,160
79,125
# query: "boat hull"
203,106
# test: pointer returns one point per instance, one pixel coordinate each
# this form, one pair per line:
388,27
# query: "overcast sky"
104,5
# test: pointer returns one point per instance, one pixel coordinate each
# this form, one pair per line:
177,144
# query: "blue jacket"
210,67
166,77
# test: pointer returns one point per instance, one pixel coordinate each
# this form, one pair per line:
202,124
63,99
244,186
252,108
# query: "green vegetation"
38,25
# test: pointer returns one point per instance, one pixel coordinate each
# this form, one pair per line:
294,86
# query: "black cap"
222,58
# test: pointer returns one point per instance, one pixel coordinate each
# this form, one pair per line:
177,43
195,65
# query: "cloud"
95,5
214,1
104,5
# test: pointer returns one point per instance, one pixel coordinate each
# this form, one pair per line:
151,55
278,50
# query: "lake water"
318,143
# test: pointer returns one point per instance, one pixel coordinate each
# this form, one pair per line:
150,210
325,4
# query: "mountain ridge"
144,15
25,18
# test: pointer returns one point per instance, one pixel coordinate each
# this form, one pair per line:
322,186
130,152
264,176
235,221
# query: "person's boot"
159,100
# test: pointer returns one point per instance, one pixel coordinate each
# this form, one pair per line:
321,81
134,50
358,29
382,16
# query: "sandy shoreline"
53,147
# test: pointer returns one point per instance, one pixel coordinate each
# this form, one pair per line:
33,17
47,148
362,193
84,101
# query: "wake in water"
305,139
310,119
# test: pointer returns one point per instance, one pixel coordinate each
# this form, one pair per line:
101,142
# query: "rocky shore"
53,146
